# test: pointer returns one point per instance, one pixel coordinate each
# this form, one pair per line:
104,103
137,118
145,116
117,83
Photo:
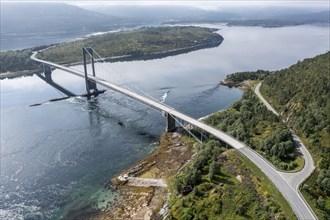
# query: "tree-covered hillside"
210,186
301,93
143,43
249,121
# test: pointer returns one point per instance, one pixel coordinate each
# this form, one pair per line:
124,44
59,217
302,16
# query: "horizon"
204,5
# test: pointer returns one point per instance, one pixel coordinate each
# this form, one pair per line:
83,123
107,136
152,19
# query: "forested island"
140,44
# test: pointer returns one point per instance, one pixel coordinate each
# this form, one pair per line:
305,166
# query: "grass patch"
267,186
227,186
300,161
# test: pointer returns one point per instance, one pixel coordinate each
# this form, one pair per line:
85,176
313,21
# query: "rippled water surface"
57,157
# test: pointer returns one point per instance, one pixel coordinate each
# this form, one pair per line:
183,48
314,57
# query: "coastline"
122,58
187,41
244,86
18,74
145,199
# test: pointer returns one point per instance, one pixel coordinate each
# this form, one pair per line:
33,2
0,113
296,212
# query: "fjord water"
57,157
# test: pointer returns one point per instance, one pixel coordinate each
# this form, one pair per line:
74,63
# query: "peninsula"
139,44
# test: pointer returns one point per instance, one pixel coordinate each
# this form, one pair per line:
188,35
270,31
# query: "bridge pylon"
90,85
170,123
47,72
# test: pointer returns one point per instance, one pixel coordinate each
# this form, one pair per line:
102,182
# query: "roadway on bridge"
296,202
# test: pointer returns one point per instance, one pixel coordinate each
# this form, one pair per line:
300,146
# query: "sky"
208,4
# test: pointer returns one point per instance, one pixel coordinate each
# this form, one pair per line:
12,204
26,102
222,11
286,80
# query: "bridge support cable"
187,130
295,200
170,119
129,83
105,69
153,104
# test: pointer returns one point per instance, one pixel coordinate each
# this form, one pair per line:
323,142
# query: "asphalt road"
293,180
298,205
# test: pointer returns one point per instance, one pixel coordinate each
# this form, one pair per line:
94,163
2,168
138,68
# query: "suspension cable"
131,84
158,111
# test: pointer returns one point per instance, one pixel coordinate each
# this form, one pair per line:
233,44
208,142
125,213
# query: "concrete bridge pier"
48,73
170,123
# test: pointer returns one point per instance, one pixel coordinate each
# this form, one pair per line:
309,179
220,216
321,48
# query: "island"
137,44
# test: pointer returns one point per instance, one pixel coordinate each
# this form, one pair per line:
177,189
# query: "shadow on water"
48,79
98,110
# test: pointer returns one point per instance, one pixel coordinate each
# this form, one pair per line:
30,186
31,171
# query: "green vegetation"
221,184
18,60
249,121
301,93
144,43
238,78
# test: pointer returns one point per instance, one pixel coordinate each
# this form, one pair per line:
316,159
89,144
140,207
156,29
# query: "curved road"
294,179
290,193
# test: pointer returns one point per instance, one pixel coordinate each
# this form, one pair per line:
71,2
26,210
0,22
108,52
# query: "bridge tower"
48,72
90,85
170,123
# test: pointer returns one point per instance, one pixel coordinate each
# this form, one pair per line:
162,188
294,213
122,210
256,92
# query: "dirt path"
145,182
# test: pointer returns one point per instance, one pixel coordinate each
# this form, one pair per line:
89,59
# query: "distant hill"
285,20
37,17
155,14
323,16
245,15
301,93
49,17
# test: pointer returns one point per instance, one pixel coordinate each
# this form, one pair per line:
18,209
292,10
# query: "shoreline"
145,201
122,58
185,42
18,74
142,189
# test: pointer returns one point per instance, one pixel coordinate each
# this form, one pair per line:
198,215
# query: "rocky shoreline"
241,85
145,198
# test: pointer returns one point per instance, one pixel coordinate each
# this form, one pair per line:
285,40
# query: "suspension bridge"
298,204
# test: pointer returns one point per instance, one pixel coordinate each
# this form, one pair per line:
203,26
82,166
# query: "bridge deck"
221,135
298,205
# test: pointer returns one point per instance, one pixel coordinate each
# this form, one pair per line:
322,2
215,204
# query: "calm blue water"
58,156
